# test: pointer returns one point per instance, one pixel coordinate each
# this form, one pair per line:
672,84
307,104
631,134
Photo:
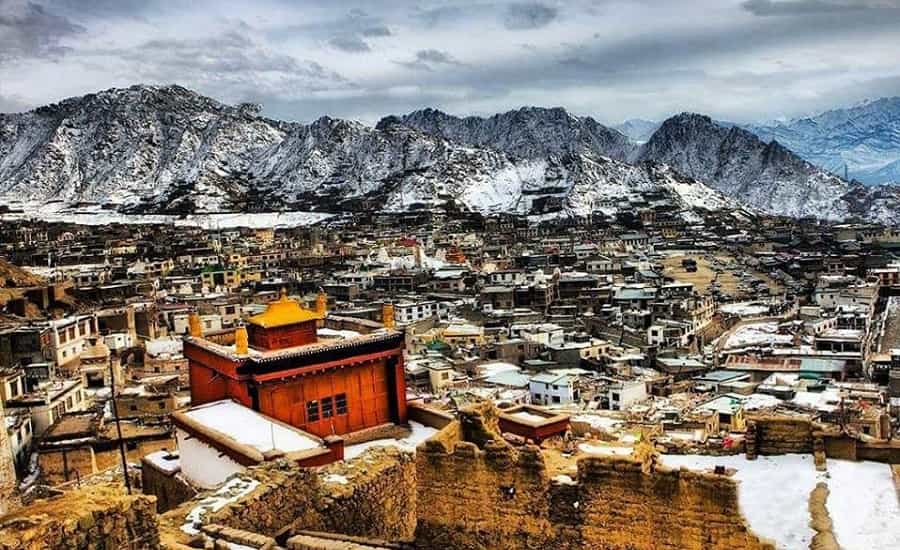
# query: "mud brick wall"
626,508
170,489
782,435
501,497
371,496
94,518
59,466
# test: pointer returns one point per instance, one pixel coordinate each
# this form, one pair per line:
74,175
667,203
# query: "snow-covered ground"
420,433
774,497
50,213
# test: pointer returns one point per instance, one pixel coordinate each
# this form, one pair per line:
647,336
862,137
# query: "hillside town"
197,365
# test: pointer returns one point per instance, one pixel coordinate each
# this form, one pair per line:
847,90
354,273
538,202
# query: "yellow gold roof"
283,312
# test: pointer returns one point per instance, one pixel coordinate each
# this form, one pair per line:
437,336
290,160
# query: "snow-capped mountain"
529,132
149,149
763,175
864,138
638,130
169,150
118,145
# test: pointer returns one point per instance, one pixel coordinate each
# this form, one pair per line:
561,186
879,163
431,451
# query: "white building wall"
202,464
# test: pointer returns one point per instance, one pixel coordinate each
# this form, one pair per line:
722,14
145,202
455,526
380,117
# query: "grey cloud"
811,7
27,30
231,66
425,59
376,31
529,15
431,17
435,56
350,43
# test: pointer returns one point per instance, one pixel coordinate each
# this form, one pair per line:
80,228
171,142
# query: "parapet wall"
372,496
776,435
497,496
95,517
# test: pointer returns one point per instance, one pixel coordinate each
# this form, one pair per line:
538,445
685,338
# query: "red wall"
366,387
282,337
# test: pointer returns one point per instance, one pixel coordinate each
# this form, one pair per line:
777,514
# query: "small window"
340,403
327,408
132,407
162,405
312,411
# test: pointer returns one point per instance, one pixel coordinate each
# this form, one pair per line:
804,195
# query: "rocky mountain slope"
529,132
864,138
763,175
115,146
150,149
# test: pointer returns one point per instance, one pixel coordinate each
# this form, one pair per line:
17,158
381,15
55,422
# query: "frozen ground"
774,497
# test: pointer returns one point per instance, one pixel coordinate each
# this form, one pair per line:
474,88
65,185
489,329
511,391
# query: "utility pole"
112,384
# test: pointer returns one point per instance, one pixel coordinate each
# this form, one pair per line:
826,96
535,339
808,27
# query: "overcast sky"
739,60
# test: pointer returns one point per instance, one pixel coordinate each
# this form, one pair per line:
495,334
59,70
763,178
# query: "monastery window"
312,411
340,403
327,408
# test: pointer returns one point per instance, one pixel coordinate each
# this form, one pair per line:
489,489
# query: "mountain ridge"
167,149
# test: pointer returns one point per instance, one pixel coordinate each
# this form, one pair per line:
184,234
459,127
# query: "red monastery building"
281,367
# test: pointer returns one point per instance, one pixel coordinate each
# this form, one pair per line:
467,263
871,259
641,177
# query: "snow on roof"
420,433
491,369
165,461
758,334
160,346
745,309
334,333
528,417
251,428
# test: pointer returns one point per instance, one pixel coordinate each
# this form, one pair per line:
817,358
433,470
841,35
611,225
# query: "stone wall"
491,495
92,518
372,496
776,435
170,488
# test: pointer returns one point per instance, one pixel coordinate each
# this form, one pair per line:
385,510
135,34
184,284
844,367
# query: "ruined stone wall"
93,518
170,489
496,496
372,496
776,435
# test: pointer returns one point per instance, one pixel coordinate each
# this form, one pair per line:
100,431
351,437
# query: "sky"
738,60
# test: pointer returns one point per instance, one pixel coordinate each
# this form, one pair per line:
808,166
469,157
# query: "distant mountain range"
169,150
865,139
860,142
